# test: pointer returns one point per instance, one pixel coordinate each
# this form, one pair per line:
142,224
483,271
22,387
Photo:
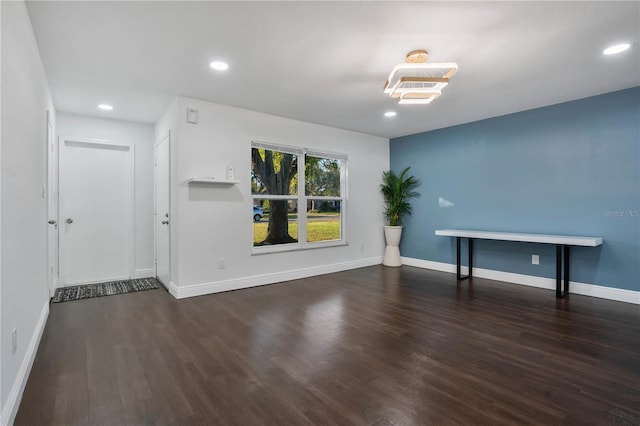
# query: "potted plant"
397,190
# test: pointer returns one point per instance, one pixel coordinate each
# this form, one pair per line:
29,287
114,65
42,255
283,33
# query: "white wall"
142,136
214,222
23,290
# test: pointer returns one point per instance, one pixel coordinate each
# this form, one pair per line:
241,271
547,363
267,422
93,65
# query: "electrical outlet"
222,263
535,259
14,340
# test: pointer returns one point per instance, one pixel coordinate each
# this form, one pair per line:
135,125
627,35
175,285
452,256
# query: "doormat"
87,291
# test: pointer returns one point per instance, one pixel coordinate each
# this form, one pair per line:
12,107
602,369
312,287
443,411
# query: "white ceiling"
326,62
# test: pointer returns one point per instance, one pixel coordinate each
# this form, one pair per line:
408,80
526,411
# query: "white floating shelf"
213,181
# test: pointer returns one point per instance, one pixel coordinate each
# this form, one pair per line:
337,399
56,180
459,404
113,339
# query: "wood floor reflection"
369,346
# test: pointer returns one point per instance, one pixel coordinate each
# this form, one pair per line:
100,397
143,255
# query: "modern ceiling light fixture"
105,107
419,82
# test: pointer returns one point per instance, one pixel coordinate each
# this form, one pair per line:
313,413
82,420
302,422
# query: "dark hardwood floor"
373,346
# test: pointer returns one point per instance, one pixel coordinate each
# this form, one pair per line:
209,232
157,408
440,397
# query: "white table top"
528,238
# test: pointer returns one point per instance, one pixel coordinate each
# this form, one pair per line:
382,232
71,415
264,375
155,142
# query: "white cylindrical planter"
392,235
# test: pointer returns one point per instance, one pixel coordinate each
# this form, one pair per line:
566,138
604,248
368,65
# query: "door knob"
52,222
69,220
165,222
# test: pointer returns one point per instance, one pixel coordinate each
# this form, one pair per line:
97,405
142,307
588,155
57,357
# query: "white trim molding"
173,290
258,280
10,408
611,293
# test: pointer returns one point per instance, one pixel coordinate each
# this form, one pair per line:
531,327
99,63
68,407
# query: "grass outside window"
316,231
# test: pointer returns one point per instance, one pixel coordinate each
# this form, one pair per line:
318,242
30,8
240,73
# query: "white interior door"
52,206
162,222
96,228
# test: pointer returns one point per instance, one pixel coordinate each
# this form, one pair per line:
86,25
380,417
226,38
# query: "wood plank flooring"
372,346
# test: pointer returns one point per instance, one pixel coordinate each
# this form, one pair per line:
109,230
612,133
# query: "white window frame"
302,199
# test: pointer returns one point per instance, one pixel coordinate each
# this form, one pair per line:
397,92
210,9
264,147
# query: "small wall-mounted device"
229,172
192,116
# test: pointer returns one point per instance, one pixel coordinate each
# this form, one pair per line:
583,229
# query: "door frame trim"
52,190
155,208
94,143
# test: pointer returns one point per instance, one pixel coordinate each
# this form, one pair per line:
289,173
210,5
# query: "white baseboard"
238,283
144,273
617,294
173,289
10,408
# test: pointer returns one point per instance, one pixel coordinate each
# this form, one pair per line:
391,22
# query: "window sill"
282,248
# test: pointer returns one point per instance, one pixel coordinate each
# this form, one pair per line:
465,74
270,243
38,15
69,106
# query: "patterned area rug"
87,291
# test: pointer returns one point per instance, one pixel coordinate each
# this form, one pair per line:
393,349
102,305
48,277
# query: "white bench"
562,243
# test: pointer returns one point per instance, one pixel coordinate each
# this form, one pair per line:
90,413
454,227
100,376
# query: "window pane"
323,220
275,222
273,172
322,176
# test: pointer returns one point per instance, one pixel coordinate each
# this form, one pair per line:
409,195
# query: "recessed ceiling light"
105,107
219,65
390,114
616,48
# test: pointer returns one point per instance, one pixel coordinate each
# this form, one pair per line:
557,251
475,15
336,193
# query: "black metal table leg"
562,262
470,243
458,260
566,269
558,270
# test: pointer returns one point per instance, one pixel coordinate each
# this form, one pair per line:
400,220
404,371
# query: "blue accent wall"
568,169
